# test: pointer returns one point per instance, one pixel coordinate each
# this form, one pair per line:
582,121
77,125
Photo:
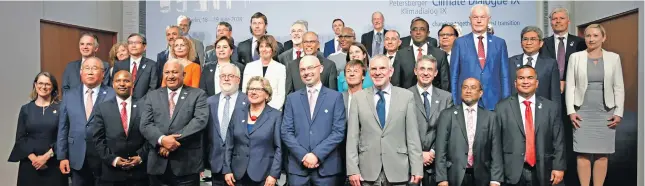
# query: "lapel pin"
490,41
104,92
54,111
437,101
211,70
571,43
455,112
243,121
183,97
518,65
144,66
326,111
540,106
135,106
243,103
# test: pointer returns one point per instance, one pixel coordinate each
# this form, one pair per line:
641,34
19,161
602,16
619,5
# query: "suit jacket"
464,64
287,58
199,49
547,73
217,148
452,147
111,140
319,135
207,78
211,56
147,77
72,126
549,138
288,45
189,120
329,48
440,100
245,54
574,44
162,58
275,74
405,62
395,148
72,75
328,76
368,38
35,133
613,87
406,41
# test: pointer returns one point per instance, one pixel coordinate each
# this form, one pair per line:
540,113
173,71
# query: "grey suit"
340,59
189,120
286,57
439,101
394,150
452,147
199,49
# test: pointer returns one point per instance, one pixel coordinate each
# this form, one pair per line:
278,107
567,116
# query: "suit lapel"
418,101
540,67
461,121
346,100
319,101
537,119
471,44
370,102
101,95
134,113
210,78
434,108
261,120
164,101
140,67
391,107
490,50
214,109
550,45
304,99
570,45
114,106
482,121
82,100
517,113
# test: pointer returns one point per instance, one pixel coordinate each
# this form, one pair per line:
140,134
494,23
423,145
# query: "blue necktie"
426,104
380,108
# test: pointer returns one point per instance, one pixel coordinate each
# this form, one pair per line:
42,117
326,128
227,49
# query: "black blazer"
574,44
328,77
147,78
35,133
548,76
207,78
404,63
367,38
111,141
287,45
72,75
405,42
245,55
549,138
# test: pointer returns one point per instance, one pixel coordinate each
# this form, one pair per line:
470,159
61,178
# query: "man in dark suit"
222,105
209,74
329,72
406,58
173,120
246,50
392,43
468,143
561,44
143,70
72,147
223,29
430,101
547,68
172,33
88,46
409,41
333,45
117,139
373,40
533,142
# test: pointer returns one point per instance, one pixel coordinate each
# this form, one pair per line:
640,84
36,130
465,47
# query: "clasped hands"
168,144
428,158
39,161
310,161
128,163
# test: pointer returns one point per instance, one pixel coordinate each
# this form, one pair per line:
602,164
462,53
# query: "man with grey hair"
293,47
184,23
290,44
210,80
546,67
373,40
222,106
392,43
223,29
430,101
172,33
88,45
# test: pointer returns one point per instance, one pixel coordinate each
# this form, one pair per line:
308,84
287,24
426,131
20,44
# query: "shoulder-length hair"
55,97
366,61
114,50
191,50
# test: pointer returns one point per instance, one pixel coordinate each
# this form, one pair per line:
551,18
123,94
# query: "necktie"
530,61
337,45
426,104
298,54
560,57
470,127
124,117
223,126
390,57
379,41
312,101
255,53
380,108
480,52
530,134
420,53
134,71
89,103
172,102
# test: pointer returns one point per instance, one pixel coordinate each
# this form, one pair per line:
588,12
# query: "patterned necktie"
124,117
470,127
134,71
530,134
380,108
530,61
172,102
560,57
419,54
298,54
312,101
89,103
426,104
379,41
223,127
480,52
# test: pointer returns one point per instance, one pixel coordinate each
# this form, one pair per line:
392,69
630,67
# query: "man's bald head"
310,70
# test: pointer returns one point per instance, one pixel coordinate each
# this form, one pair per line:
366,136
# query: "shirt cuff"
432,150
495,182
115,160
159,140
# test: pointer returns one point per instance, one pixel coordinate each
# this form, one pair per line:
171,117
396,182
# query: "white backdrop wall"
508,17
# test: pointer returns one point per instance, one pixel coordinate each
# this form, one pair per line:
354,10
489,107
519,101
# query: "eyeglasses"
134,42
469,87
229,76
533,39
41,84
310,42
345,37
419,29
446,35
310,68
255,89
93,69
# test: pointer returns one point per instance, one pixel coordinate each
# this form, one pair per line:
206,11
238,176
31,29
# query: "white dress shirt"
557,42
525,59
484,40
387,94
174,100
336,45
231,106
254,44
128,109
415,50
132,61
95,93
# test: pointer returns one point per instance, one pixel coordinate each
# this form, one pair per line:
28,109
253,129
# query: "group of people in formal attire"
383,111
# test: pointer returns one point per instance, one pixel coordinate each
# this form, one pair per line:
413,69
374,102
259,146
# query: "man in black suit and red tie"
116,136
533,142
143,70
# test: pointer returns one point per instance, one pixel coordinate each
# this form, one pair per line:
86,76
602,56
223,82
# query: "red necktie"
420,53
124,117
134,71
298,54
480,52
530,134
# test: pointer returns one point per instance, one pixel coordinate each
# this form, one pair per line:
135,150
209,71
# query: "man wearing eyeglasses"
310,45
545,66
346,38
88,45
143,70
294,52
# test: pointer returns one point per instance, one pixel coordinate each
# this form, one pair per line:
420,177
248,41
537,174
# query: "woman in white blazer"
268,68
594,96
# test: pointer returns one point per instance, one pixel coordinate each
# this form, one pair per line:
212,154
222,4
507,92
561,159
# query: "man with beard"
406,59
117,139
329,72
88,45
222,106
313,127
346,38
295,52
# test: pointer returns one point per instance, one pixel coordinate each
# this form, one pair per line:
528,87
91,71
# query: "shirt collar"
429,90
317,86
128,100
133,59
466,107
177,91
234,95
522,99
484,34
534,56
565,35
386,90
95,90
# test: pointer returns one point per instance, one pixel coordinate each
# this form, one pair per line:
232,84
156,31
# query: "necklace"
253,118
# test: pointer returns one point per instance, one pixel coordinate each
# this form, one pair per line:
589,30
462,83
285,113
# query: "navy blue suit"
217,148
73,135
162,57
257,153
464,64
320,136
329,48
72,75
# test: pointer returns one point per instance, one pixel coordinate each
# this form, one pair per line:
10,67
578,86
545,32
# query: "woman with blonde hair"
118,52
183,51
